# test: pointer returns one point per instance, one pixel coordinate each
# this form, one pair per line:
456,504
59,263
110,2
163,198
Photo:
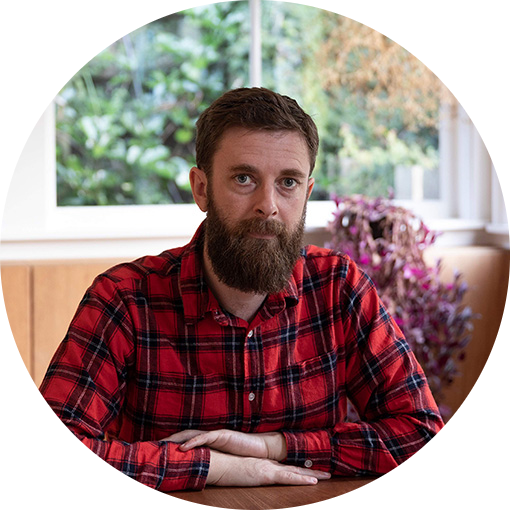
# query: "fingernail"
313,480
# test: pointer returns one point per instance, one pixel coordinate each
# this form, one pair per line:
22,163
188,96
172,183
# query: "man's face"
256,201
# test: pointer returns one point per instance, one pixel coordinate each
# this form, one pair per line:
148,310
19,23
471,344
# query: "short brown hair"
252,108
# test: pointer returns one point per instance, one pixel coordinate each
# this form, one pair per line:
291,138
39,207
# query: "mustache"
261,227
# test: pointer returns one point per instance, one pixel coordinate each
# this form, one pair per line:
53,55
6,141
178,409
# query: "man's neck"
244,305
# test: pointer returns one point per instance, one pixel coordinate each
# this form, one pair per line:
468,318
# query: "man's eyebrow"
243,168
288,172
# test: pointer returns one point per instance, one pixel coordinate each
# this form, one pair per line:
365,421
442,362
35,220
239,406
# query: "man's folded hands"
246,459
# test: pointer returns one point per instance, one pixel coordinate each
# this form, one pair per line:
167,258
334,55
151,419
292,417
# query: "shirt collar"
198,299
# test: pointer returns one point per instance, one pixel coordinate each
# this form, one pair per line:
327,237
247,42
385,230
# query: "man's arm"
85,385
381,377
264,445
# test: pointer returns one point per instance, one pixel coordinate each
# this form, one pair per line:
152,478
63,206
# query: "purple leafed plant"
388,243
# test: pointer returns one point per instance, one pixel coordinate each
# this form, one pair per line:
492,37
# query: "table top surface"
356,493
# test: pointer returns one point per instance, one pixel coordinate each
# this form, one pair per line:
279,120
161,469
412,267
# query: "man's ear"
311,182
198,181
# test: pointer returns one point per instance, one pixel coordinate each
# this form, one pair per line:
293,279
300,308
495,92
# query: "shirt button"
308,463
251,397
250,334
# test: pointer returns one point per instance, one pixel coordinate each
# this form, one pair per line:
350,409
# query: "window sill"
131,238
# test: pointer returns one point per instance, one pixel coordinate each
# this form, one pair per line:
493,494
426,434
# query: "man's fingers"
293,478
183,435
195,441
282,474
213,438
321,475
228,441
297,475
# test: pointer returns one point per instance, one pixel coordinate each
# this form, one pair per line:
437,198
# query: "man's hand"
247,460
268,445
231,470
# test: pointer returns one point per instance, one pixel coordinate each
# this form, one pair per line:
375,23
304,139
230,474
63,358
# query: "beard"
248,264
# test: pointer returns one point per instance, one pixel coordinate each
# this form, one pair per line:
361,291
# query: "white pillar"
448,159
32,194
498,212
255,44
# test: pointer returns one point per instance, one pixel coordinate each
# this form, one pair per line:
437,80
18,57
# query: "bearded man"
231,360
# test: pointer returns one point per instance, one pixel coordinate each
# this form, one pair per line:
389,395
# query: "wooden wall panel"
486,271
58,289
15,386
55,467
498,395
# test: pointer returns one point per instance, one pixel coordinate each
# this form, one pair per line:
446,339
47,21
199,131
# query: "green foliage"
358,152
370,170
125,122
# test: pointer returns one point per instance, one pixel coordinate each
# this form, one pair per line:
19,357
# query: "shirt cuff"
185,470
310,449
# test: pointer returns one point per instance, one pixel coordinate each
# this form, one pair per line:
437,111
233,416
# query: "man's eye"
289,182
243,179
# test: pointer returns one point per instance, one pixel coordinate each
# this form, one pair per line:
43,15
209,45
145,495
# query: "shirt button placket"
251,395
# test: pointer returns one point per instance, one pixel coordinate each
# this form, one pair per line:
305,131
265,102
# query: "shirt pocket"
307,392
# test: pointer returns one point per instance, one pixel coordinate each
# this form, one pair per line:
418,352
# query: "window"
132,110
376,105
125,122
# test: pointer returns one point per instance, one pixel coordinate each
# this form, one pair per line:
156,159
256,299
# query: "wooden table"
104,492
356,493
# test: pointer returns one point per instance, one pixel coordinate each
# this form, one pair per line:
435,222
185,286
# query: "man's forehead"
240,142
240,131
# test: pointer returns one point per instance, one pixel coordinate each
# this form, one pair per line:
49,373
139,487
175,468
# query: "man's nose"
265,203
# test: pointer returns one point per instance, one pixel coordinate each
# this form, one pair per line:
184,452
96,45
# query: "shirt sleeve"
386,385
86,383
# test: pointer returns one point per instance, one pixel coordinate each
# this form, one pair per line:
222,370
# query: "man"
230,361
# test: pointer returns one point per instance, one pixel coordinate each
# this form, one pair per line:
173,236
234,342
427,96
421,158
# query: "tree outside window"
125,122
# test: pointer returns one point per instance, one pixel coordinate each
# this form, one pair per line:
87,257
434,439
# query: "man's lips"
261,236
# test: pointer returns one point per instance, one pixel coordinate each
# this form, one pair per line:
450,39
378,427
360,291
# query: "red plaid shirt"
150,352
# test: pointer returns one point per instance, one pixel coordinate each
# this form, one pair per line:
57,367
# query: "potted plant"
388,243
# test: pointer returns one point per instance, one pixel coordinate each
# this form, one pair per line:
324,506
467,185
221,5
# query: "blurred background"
104,175
125,123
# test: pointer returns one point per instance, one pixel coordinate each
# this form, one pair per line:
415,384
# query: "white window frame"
470,210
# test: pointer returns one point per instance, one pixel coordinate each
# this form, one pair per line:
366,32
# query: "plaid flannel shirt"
150,352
